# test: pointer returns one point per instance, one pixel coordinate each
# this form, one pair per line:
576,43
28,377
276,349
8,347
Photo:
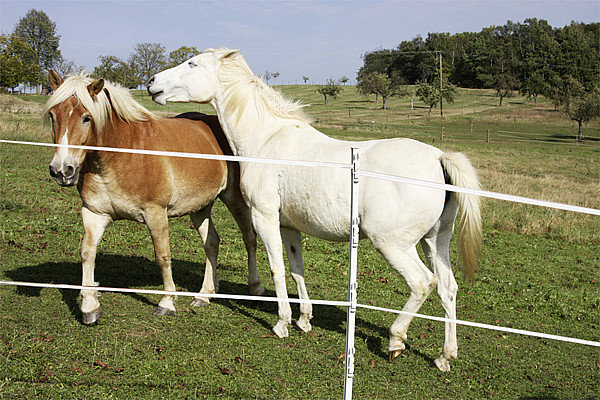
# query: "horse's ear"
95,87
55,79
229,53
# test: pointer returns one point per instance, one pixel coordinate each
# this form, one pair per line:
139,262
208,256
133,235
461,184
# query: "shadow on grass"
110,271
129,272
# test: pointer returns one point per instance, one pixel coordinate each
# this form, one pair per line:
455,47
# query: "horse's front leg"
210,240
267,227
292,239
94,226
158,225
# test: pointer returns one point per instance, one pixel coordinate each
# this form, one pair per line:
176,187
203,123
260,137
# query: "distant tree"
539,51
504,85
378,61
65,67
39,32
579,104
116,70
180,55
147,59
270,75
18,62
533,86
305,79
330,89
430,93
382,85
344,79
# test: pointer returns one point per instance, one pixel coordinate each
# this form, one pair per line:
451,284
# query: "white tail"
462,174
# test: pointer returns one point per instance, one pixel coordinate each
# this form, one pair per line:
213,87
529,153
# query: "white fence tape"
441,186
296,300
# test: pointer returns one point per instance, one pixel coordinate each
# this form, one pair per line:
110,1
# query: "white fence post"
352,284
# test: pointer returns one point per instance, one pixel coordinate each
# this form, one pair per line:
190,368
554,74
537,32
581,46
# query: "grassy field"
540,271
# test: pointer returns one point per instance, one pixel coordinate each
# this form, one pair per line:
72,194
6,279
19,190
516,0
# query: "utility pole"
441,88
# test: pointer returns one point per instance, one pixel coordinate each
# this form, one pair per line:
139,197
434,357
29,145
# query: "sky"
317,39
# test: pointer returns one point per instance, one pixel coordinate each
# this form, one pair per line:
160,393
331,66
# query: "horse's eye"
86,119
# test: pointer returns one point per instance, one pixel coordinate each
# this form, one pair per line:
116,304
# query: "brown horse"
143,188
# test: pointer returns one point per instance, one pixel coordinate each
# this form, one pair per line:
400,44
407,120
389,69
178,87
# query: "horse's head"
195,80
72,124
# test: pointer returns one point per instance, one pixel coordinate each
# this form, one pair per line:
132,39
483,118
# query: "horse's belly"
323,218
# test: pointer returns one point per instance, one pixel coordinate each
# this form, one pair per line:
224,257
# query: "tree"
39,32
65,67
330,89
270,75
147,60
344,80
382,85
18,62
579,104
305,79
430,93
504,85
180,55
116,70
376,61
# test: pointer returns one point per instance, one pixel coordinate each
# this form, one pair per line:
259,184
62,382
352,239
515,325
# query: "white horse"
286,200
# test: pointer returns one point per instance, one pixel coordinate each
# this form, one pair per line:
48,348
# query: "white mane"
100,107
244,91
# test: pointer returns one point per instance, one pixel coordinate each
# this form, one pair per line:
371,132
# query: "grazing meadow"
539,271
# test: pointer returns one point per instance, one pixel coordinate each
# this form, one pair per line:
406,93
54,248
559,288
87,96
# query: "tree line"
32,49
562,64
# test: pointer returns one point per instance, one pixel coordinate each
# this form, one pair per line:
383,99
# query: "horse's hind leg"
158,225
232,197
94,226
210,240
292,240
420,281
436,247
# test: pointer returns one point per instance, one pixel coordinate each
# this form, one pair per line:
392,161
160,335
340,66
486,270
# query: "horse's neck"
235,136
247,134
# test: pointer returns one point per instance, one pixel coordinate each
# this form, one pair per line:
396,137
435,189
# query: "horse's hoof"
442,364
394,354
200,302
89,318
281,330
257,290
304,325
163,311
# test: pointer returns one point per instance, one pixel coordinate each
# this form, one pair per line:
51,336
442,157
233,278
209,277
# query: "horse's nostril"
53,172
69,171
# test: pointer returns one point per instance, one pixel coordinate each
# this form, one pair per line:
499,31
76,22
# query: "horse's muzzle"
65,175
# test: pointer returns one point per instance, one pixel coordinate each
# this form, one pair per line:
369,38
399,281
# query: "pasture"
539,271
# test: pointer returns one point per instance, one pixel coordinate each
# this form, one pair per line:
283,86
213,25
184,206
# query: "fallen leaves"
103,367
225,371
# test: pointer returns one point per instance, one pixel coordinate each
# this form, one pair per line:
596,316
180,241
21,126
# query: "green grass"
540,271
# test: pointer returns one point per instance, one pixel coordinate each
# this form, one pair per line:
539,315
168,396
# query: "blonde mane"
245,91
101,106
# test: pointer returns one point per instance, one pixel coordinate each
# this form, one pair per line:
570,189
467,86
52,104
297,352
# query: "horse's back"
316,199
133,182
402,157
212,121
